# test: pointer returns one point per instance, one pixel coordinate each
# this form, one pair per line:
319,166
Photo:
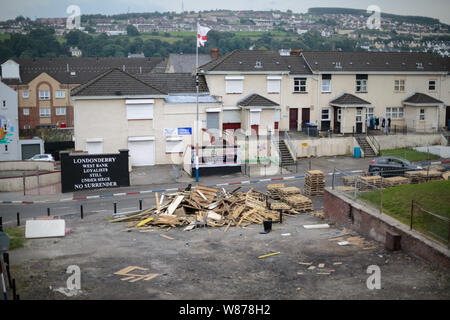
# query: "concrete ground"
210,264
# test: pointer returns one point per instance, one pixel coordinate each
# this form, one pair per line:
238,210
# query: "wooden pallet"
395,181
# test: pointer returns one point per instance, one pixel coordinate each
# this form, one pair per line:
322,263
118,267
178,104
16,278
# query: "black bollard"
115,207
140,205
81,210
281,216
1,223
48,212
18,219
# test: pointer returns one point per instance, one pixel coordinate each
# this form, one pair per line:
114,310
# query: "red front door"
293,119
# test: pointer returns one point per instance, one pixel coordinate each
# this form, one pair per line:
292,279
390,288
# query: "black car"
391,167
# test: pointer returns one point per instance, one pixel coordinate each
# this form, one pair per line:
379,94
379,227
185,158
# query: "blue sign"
185,131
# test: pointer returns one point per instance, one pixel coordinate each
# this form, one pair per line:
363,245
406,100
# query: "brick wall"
370,223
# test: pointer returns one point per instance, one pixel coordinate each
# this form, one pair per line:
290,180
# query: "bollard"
48,212
81,210
281,215
1,223
140,205
18,219
115,207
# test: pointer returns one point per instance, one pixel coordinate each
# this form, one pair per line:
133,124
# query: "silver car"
42,157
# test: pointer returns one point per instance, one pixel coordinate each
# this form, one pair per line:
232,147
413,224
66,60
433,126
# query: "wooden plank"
174,205
158,206
166,237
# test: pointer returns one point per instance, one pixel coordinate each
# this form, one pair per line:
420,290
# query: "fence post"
18,219
412,215
334,173
81,211
140,205
381,199
37,178
448,240
24,188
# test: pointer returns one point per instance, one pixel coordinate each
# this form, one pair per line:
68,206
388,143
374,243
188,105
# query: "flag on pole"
201,35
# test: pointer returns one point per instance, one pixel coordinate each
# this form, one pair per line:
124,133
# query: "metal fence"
429,223
368,190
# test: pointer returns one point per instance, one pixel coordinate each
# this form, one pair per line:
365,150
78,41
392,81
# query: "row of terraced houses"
149,107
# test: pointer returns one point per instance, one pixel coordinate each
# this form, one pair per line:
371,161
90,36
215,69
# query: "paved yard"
211,264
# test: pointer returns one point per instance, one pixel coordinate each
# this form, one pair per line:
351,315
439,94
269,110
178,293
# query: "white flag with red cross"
201,35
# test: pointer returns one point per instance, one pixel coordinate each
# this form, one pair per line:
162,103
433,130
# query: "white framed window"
300,85
394,113
26,111
325,115
399,85
273,84
277,117
27,126
358,115
60,94
361,83
44,112
60,111
174,145
369,113
431,85
140,109
44,94
326,83
422,114
25,94
339,114
234,85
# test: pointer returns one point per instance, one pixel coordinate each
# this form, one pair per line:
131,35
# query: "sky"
439,9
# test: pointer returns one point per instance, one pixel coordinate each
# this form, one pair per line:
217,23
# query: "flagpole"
198,124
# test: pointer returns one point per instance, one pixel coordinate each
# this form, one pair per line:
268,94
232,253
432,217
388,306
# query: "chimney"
215,53
296,52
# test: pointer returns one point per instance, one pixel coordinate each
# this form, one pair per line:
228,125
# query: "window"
359,115
60,94
399,85
26,127
299,84
60,111
361,83
369,113
326,83
26,111
255,117
432,85
139,109
273,84
25,94
339,114
325,114
234,85
44,95
174,145
44,112
394,113
422,114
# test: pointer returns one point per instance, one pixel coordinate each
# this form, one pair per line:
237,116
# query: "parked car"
42,157
391,167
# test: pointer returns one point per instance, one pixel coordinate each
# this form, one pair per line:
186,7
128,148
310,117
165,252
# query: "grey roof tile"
349,99
421,98
256,100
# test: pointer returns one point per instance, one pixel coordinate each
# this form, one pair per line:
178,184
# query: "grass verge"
409,154
16,237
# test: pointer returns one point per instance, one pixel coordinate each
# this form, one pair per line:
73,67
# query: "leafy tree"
132,31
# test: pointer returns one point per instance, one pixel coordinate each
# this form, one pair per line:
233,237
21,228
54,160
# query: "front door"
337,120
293,119
359,123
305,116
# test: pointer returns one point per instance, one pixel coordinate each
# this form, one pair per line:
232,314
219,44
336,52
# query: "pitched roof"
185,63
174,82
84,68
115,82
364,61
255,100
258,61
348,99
421,99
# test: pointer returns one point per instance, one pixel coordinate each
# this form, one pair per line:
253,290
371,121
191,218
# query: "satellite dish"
4,242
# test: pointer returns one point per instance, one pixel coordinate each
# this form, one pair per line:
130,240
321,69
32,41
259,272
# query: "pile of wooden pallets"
394,181
314,183
446,175
299,203
274,190
203,206
368,183
413,176
434,167
349,181
429,175
289,191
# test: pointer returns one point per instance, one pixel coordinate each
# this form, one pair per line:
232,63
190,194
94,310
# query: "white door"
142,152
94,147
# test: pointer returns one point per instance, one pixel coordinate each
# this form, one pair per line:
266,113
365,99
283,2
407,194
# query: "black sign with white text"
94,171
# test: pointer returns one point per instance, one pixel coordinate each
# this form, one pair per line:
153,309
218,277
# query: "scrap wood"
269,255
166,237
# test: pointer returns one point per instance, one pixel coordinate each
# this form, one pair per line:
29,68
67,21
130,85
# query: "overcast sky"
57,8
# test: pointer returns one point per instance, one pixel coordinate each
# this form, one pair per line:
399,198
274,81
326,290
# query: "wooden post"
24,188
412,215
158,206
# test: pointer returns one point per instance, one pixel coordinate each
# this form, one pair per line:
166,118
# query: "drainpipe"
318,90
